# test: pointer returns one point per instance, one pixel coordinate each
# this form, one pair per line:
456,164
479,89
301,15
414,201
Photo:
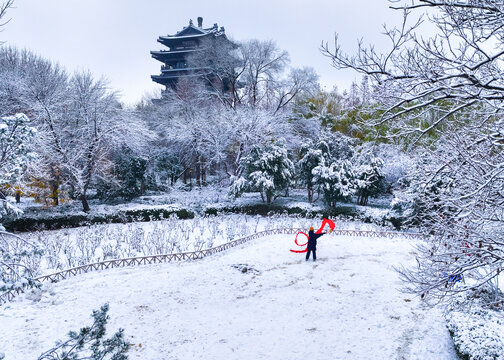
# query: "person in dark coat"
312,243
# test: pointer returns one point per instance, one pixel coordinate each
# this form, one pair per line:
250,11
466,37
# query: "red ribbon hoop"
324,223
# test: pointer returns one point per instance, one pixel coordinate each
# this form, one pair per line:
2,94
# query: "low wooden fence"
194,255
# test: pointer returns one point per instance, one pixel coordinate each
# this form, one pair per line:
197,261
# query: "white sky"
112,38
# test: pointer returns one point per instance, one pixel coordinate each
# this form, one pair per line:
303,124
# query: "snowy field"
344,306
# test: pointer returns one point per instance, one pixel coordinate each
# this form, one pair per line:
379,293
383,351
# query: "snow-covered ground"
73,247
344,306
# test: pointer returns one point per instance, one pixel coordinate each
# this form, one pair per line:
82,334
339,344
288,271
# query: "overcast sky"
112,38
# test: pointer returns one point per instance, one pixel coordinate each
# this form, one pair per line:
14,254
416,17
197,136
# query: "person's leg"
314,255
308,255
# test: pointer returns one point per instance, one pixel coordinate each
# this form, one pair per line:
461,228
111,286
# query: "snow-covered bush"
266,169
19,262
310,159
336,181
15,135
478,332
369,177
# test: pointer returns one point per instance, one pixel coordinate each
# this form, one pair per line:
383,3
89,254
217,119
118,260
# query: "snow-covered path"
344,306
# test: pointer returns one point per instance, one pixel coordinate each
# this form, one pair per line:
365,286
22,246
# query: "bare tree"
452,71
300,82
6,5
447,91
264,63
220,63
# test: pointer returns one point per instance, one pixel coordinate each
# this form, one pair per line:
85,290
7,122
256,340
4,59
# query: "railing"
194,255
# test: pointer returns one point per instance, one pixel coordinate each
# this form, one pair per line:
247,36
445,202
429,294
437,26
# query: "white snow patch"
344,306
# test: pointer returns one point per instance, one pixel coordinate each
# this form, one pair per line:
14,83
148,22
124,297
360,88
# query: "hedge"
27,223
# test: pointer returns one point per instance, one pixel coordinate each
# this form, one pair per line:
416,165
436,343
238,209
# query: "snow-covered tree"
19,260
266,169
325,166
369,177
264,63
224,65
79,121
447,93
310,159
33,85
86,131
17,256
253,73
4,6
336,181
90,342
129,176
15,156
15,136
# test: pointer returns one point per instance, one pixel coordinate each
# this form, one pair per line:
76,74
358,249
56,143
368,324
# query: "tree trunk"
54,192
203,174
198,174
142,186
18,196
85,205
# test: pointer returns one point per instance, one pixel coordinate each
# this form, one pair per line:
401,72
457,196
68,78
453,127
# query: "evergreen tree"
267,170
15,135
336,181
130,174
369,177
15,268
310,159
89,342
167,169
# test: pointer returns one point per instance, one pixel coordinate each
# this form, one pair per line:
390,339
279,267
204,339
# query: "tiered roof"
180,45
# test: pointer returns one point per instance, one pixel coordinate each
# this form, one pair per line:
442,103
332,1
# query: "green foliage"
27,223
130,174
167,169
90,342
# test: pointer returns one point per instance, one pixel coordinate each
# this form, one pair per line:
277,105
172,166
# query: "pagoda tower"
183,43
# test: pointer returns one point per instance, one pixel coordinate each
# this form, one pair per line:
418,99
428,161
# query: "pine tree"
311,158
15,134
16,272
267,170
89,342
336,181
369,177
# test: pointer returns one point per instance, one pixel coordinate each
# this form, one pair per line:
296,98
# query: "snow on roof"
183,36
201,32
175,51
